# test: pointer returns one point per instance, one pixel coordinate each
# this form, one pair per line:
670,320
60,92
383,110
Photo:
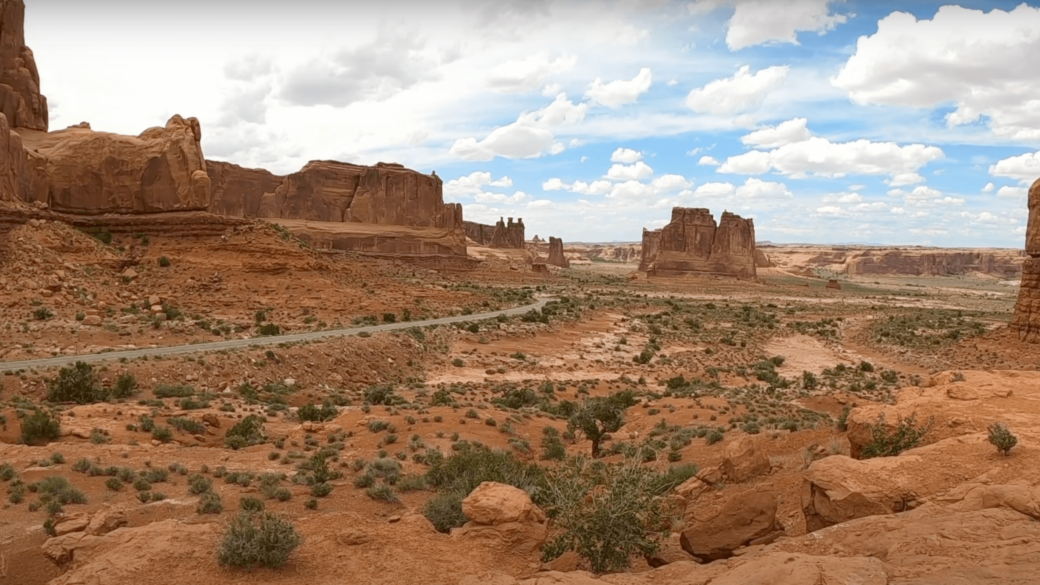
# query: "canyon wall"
648,250
930,263
501,235
1026,319
692,243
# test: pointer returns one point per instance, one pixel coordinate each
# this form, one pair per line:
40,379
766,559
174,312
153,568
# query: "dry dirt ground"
781,361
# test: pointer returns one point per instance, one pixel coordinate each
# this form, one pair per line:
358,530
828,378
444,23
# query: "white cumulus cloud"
738,93
637,171
1024,167
1011,192
473,183
626,155
708,161
975,59
787,132
756,22
529,137
821,157
528,74
620,92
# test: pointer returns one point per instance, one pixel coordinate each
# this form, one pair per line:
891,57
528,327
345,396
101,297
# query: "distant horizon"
819,119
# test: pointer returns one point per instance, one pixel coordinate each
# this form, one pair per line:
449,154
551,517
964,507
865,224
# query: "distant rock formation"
78,170
20,97
1027,310
237,190
692,243
556,257
924,264
833,284
501,235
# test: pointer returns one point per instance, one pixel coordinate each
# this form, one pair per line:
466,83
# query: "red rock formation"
82,171
237,190
1027,310
556,257
648,251
20,97
500,235
833,284
927,264
693,244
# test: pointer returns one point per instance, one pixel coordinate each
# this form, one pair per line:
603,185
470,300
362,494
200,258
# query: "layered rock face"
648,251
1027,310
692,243
20,97
927,264
86,172
237,190
556,257
501,235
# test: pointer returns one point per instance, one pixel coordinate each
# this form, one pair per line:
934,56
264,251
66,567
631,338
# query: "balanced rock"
747,518
503,518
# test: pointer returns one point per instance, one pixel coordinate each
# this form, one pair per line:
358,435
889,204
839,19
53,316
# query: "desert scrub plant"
173,390
907,435
248,431
77,384
126,385
444,511
597,417
607,513
57,489
1001,438
40,427
383,493
187,425
251,504
198,484
162,434
210,503
312,413
42,314
258,540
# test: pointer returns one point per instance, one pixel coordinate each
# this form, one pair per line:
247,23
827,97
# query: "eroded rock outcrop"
692,243
648,251
237,190
920,263
1027,310
556,257
747,518
86,172
502,517
20,97
501,235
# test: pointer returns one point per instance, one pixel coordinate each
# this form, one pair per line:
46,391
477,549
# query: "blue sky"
825,121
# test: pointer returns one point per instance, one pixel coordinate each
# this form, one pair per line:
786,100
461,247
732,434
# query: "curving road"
261,341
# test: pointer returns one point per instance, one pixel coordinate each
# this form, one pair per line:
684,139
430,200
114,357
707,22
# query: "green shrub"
76,384
173,390
269,329
162,434
187,425
389,317
164,261
40,426
598,417
607,513
714,436
126,384
251,504
312,413
57,489
843,418
198,484
42,314
906,436
320,490
7,472
248,431
113,484
258,539
444,511
382,492
1001,438
209,503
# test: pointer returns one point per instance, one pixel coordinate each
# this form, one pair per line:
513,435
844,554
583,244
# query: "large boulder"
838,489
743,460
503,518
747,518
88,172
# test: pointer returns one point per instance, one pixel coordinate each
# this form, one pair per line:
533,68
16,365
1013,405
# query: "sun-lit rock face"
692,243
1027,310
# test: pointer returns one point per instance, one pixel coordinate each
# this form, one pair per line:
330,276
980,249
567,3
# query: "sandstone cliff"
501,235
556,257
237,190
928,264
20,97
692,243
648,251
1027,310
82,171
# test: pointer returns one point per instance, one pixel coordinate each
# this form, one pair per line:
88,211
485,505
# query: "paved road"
260,341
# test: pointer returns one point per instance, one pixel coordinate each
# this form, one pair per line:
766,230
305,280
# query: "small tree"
598,417
258,539
1001,437
246,432
76,384
40,426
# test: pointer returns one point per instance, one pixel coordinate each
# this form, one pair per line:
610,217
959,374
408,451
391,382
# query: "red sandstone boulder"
503,518
747,518
743,460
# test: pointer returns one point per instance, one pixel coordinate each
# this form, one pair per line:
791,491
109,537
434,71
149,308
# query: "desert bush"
258,539
162,434
248,431
57,489
76,384
444,510
164,261
269,329
1001,438
598,417
383,493
42,314
210,503
906,436
126,384
173,390
312,413
251,504
186,424
40,426
553,448
198,484
607,513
